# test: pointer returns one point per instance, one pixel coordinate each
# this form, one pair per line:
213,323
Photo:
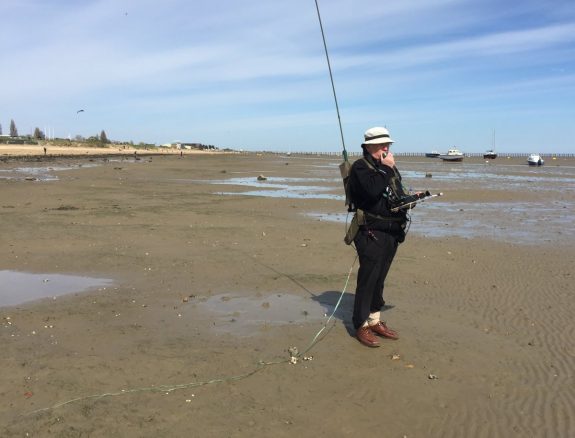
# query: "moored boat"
452,155
535,160
491,154
432,154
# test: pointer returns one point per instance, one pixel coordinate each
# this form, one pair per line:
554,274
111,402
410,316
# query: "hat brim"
378,141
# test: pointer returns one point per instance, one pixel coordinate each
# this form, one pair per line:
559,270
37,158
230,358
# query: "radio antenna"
332,84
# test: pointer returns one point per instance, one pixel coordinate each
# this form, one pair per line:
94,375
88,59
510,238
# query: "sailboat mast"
493,141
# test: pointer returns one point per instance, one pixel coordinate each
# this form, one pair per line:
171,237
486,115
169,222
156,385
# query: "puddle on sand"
283,187
246,316
289,193
513,222
20,287
38,173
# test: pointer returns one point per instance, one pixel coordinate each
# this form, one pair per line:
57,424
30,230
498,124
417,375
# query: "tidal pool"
41,173
279,187
21,287
243,315
513,222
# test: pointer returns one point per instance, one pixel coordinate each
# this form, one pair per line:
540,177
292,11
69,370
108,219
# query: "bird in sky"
80,111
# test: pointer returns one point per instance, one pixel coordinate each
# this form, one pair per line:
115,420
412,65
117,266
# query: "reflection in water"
20,287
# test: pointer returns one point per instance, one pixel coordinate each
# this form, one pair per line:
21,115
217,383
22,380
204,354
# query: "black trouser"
376,250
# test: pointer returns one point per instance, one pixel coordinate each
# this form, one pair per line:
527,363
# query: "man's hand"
388,159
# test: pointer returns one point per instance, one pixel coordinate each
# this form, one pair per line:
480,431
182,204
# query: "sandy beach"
52,151
204,289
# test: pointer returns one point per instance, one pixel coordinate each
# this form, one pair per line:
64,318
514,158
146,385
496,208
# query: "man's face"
378,151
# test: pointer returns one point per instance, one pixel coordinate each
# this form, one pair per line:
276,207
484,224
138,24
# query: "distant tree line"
40,135
94,140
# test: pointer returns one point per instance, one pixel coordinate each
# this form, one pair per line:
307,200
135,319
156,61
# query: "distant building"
193,146
188,146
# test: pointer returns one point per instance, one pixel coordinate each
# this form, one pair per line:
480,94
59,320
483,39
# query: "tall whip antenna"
332,84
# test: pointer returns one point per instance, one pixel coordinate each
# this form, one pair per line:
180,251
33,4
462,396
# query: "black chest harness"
361,217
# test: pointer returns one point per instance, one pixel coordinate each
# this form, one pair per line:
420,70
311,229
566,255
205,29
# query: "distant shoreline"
35,152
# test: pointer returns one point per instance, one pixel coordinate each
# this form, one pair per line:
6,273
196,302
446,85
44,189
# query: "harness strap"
378,217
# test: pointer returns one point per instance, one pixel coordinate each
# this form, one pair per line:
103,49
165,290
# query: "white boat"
535,160
452,155
490,154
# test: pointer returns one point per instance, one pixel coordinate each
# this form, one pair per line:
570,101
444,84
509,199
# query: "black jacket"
376,188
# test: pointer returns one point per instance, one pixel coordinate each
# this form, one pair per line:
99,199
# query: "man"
375,187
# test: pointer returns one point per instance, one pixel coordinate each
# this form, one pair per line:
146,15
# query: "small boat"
432,154
491,154
535,160
452,155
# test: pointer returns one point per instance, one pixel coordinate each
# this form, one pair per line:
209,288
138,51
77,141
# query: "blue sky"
252,74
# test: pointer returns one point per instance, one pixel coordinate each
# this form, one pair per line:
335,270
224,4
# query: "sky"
252,74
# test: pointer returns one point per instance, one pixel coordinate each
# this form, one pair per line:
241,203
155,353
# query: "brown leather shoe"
382,330
366,337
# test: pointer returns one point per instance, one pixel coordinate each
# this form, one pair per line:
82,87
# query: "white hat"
377,135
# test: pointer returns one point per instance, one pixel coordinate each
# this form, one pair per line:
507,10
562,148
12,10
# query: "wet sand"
210,291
